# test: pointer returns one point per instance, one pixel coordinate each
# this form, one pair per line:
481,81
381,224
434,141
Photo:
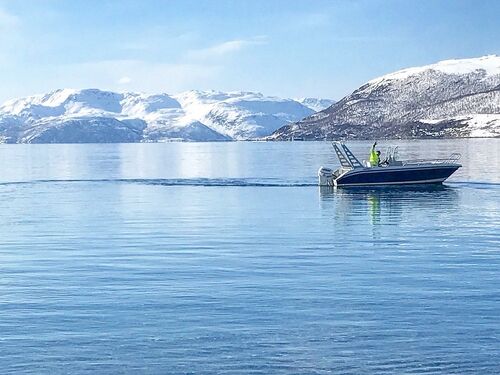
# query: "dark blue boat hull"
397,176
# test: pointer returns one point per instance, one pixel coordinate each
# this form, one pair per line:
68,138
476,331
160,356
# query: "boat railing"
452,159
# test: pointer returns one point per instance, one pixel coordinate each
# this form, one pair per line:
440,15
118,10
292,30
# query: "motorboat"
390,171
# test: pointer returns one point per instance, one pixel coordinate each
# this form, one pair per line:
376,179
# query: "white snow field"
92,115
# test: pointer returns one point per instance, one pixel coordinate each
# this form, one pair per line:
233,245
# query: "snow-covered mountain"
91,115
453,98
316,104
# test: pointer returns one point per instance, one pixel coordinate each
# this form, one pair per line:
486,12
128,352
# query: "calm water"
225,258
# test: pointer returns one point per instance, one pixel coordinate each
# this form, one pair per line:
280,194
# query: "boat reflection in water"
391,207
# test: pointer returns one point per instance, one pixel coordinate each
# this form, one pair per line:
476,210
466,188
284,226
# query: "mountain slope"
316,104
92,115
241,115
453,98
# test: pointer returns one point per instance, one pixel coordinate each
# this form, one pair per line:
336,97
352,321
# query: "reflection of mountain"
389,205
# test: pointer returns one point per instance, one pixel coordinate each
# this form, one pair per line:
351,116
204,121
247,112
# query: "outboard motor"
325,176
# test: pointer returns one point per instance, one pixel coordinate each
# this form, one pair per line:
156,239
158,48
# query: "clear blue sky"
285,48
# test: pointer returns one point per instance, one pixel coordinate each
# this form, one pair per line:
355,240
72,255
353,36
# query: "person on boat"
374,156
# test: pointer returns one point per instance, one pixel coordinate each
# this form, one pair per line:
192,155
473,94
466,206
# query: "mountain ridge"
447,99
106,116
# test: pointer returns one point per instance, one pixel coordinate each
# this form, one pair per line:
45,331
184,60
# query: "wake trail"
224,182
208,182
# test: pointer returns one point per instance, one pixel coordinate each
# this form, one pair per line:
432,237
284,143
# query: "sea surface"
226,258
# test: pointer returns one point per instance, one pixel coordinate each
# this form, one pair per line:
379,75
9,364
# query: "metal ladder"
348,160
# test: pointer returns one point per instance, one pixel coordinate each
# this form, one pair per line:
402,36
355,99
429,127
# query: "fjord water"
225,258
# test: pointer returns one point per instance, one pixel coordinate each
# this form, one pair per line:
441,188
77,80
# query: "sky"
289,48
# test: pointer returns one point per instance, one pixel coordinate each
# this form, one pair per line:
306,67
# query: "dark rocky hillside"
454,98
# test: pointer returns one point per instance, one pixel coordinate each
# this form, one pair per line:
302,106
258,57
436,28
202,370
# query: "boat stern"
325,177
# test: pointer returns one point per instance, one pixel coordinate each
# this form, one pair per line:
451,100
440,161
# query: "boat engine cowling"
325,176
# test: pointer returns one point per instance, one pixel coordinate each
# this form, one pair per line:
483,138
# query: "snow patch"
316,104
489,64
479,125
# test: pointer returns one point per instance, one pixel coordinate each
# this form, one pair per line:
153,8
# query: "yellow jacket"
373,157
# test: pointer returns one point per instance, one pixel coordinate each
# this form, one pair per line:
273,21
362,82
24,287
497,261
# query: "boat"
390,171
